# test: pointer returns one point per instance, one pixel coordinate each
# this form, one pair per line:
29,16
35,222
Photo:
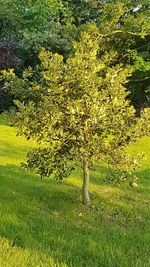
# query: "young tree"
80,110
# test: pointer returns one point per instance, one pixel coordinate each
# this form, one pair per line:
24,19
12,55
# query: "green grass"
43,222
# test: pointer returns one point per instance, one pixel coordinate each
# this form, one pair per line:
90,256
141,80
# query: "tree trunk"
85,192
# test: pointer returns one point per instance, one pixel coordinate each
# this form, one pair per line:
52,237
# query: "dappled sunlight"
108,190
74,180
142,146
16,256
8,160
43,220
18,146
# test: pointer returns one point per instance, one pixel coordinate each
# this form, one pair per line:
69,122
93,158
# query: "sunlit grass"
43,222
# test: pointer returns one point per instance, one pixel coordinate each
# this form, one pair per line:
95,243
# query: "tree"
125,28
54,25
82,112
25,27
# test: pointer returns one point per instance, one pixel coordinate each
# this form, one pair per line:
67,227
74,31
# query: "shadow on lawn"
44,215
144,175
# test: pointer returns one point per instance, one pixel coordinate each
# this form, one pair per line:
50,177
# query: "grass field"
43,222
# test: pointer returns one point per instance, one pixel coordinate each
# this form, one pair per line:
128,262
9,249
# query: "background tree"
26,26
34,24
126,29
54,25
82,113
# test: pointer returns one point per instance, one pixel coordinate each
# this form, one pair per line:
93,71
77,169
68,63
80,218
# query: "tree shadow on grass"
144,175
45,215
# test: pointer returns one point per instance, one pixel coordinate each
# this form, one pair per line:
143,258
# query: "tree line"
27,26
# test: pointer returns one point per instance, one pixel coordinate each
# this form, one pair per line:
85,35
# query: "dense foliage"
54,25
79,110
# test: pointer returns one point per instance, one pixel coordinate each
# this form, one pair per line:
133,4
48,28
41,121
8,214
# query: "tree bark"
85,191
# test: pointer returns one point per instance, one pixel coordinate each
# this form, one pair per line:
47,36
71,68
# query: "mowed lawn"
43,222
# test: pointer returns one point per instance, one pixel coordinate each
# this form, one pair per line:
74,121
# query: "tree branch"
127,32
140,80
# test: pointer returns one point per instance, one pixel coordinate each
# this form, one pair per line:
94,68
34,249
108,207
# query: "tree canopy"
78,109
55,25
